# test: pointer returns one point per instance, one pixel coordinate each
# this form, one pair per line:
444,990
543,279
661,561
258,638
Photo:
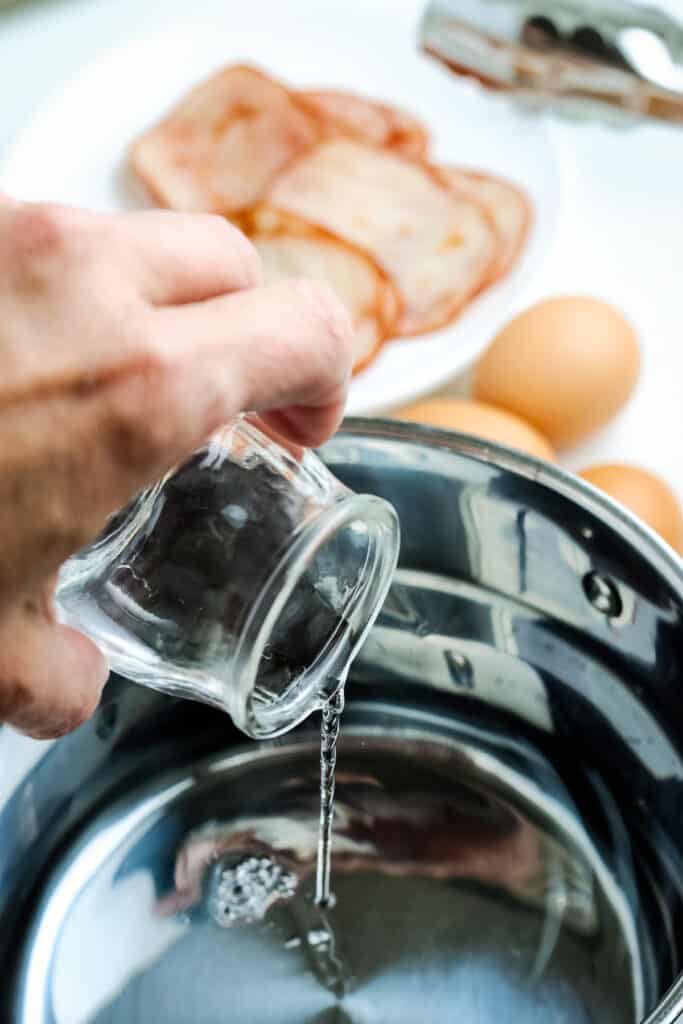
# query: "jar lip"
367,599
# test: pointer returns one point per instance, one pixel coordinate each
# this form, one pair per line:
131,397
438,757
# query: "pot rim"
569,485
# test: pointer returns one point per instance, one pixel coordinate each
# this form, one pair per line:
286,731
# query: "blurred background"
82,80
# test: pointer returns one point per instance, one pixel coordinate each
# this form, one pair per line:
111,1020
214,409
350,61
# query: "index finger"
285,351
185,257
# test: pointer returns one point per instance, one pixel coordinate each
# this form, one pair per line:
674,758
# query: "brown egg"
643,493
566,365
479,420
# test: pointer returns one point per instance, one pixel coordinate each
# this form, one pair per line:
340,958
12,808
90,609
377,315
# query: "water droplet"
460,669
245,891
236,515
602,594
318,937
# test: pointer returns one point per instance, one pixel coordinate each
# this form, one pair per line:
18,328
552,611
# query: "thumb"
51,677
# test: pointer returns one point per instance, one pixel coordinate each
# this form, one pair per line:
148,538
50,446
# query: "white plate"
73,149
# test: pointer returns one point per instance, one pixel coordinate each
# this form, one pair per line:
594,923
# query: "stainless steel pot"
509,841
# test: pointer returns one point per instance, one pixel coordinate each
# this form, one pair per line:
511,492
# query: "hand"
124,341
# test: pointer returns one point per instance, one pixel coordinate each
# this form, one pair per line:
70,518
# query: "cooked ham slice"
224,142
437,245
291,248
367,121
508,206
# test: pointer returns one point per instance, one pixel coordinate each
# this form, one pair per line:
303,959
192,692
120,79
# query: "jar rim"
365,603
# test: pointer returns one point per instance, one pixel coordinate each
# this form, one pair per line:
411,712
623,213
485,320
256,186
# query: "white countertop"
620,236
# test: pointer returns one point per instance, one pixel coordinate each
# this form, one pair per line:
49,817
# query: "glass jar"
247,578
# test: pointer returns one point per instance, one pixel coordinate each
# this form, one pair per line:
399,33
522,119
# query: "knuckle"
42,230
335,334
140,346
130,432
140,435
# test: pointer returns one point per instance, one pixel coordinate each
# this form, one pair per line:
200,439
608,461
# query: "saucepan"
508,836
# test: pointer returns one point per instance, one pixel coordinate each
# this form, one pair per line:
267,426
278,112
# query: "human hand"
124,341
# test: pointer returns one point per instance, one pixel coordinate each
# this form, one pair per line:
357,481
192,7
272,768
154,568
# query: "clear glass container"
247,578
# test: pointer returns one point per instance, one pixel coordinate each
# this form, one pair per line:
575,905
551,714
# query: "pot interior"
466,888
508,837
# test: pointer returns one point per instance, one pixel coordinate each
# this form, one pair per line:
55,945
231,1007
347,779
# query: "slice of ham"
408,136
365,120
508,205
220,147
437,245
289,247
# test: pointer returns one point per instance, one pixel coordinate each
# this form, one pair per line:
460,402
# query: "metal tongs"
600,57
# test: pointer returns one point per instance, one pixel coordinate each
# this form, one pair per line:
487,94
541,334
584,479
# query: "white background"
621,228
